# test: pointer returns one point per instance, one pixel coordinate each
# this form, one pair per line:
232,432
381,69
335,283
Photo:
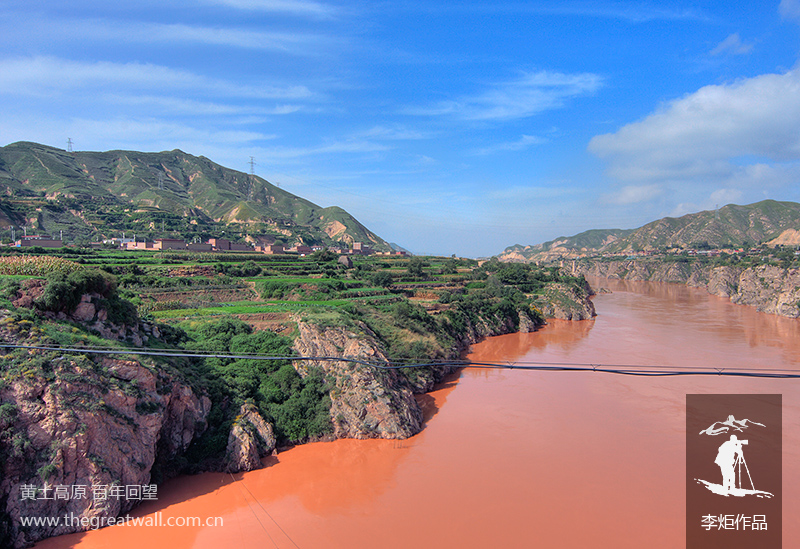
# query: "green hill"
731,226
92,195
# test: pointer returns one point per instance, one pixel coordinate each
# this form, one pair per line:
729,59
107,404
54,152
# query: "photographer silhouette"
729,454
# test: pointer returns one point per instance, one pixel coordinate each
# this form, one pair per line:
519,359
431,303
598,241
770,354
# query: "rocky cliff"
566,302
366,402
370,402
768,288
88,435
250,439
82,439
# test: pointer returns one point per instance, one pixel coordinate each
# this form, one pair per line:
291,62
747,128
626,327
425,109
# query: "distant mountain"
91,195
729,226
398,248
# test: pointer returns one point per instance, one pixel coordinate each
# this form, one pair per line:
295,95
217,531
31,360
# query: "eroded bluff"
90,423
366,402
768,288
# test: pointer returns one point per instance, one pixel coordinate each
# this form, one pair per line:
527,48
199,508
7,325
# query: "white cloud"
633,12
711,135
524,194
732,45
293,7
790,9
684,208
526,96
346,146
725,196
146,134
635,194
175,106
521,144
50,76
394,133
288,42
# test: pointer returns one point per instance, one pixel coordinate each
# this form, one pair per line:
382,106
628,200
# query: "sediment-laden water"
510,458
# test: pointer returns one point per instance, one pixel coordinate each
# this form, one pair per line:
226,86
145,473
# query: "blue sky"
446,127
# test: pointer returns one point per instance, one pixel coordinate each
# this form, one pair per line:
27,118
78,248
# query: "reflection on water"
513,347
512,458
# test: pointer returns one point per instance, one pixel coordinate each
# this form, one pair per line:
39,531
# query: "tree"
416,267
383,279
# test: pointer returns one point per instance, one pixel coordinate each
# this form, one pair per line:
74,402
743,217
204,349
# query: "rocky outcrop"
83,441
366,402
250,439
566,302
768,288
92,312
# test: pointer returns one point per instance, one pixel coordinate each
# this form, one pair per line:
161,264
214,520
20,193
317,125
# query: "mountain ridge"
731,226
90,195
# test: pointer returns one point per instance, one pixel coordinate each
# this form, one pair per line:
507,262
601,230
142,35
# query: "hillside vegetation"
92,195
731,226
265,320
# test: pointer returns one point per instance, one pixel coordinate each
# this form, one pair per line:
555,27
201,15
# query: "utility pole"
251,190
161,181
69,144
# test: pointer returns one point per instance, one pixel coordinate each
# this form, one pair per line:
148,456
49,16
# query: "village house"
271,249
299,249
139,246
220,244
199,247
169,244
43,240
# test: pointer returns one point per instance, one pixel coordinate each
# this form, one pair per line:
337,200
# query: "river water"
510,458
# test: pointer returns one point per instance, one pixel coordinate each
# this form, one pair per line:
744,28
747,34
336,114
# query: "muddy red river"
509,458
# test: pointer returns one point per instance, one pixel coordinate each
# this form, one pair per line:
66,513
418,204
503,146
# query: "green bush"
298,407
8,414
382,279
63,292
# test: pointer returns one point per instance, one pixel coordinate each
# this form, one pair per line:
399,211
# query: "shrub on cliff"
298,407
63,293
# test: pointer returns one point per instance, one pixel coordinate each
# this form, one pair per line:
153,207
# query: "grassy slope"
119,190
731,225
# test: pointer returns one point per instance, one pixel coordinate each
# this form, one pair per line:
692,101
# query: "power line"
256,516
265,511
647,370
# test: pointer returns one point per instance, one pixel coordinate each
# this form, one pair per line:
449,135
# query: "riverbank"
511,458
188,413
767,288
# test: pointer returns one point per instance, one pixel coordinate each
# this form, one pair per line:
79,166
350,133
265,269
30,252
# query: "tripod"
738,466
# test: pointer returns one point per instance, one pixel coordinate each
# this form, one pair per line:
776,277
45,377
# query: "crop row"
36,265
